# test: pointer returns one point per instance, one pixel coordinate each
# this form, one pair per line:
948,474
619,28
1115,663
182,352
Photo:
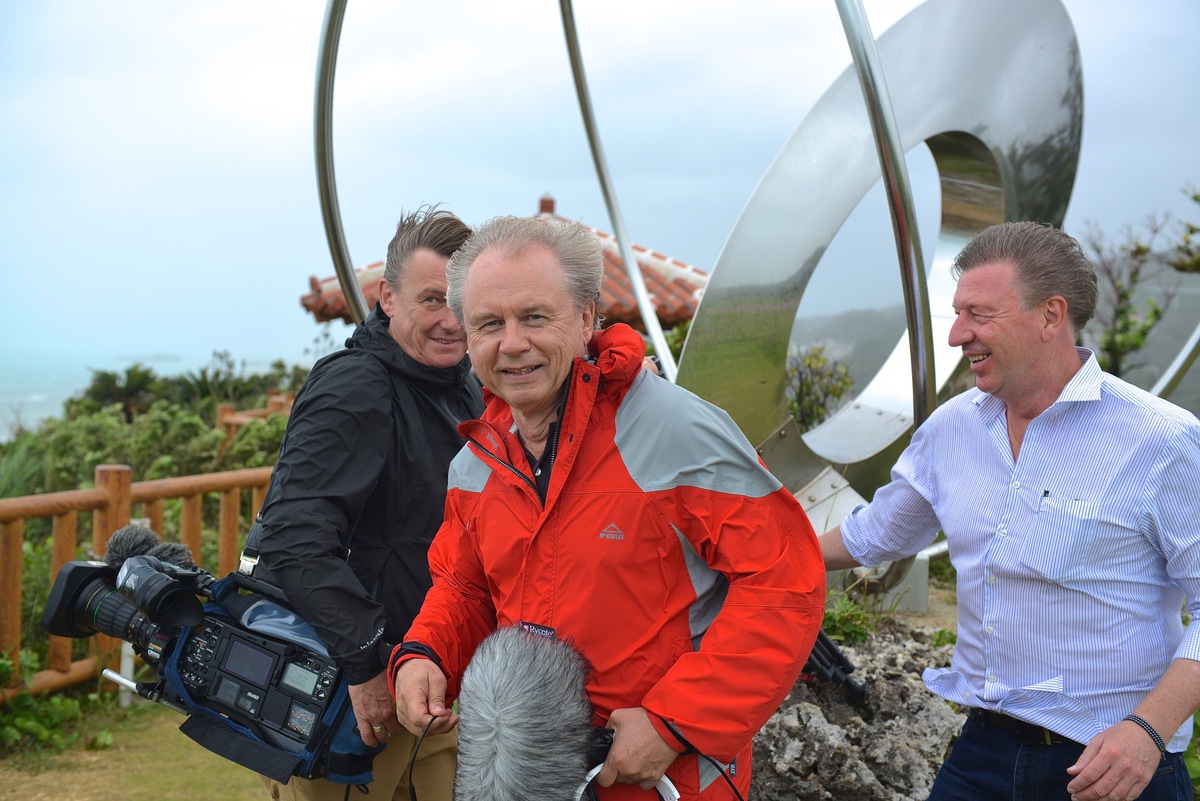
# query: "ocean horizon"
35,384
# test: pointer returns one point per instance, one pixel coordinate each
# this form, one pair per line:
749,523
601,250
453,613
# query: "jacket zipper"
562,407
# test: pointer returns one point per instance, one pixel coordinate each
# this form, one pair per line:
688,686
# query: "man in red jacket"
600,504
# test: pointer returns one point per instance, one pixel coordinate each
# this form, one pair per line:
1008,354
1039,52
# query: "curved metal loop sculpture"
331,34
645,305
999,101
992,87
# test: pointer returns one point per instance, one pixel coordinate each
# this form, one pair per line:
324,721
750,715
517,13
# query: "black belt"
1027,733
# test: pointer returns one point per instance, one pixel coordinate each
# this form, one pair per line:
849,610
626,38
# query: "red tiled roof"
674,287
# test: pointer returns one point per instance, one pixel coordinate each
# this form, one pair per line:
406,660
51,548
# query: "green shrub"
848,620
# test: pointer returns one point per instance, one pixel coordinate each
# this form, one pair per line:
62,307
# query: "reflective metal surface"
331,33
1178,368
994,88
900,203
636,281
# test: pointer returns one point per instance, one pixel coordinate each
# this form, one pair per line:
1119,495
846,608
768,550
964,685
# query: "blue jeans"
987,763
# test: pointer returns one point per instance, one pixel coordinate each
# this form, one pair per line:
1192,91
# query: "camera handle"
150,692
665,787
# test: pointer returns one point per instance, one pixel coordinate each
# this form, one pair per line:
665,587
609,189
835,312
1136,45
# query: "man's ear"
589,321
1054,318
387,297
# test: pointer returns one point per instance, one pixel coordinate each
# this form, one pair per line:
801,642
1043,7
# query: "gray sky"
157,180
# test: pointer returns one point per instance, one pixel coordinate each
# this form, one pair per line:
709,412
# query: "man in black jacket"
359,489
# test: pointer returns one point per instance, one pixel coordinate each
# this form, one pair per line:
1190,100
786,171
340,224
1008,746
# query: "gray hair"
1047,261
428,227
575,248
525,721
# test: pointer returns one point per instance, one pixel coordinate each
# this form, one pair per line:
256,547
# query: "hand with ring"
374,710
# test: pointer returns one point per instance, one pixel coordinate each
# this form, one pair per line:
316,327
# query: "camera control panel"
278,688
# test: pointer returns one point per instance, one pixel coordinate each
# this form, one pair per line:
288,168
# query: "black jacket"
368,445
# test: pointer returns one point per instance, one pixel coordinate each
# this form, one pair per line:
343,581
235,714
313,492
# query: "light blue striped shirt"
1073,563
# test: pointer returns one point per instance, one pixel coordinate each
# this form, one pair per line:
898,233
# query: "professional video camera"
255,680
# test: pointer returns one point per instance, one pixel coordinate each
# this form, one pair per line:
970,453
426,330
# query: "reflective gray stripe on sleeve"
710,586
668,437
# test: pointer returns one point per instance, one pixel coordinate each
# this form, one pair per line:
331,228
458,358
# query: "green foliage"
815,385
41,723
166,440
21,466
35,589
675,338
133,391
157,438
1134,287
944,637
223,380
1191,758
848,620
1123,326
256,444
1185,255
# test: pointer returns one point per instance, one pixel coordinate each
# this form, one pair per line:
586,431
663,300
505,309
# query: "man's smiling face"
523,330
998,335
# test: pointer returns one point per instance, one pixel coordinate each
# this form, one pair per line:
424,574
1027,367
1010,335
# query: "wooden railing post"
191,524
154,513
63,546
227,548
226,411
116,481
12,534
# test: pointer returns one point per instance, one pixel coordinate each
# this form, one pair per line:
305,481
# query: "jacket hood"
373,336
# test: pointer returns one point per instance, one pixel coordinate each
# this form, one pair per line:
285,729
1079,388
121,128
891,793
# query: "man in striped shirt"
1069,501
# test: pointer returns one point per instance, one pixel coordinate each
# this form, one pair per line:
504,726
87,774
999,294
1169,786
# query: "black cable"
412,760
691,749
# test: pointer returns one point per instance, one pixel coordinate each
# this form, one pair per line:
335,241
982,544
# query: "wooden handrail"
111,503
51,503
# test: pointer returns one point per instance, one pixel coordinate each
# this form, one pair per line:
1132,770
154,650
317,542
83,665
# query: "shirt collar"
1083,386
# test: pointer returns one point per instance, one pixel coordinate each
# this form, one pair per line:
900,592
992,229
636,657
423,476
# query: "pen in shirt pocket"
1042,500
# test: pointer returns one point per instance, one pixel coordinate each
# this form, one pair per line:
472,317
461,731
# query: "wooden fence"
111,502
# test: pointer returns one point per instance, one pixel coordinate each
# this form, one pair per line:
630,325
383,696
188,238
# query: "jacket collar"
373,336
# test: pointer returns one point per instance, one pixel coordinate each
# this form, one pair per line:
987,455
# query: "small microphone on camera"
132,540
137,540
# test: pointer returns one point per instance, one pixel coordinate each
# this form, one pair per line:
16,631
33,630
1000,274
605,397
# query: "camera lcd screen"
299,678
249,663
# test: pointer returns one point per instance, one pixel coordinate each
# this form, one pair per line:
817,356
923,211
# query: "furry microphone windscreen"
132,540
525,720
137,540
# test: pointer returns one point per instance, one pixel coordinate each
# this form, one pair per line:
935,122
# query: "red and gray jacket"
685,573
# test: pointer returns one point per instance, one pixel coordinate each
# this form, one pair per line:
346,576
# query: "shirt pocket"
1061,540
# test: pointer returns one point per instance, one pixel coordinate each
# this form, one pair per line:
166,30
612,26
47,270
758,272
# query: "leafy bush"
223,380
848,620
815,385
256,444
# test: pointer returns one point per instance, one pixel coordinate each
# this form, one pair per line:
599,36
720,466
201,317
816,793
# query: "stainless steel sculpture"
331,34
992,87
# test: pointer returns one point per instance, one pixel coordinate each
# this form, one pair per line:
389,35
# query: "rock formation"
823,745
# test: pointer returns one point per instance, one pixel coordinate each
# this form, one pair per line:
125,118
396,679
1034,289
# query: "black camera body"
255,680
277,689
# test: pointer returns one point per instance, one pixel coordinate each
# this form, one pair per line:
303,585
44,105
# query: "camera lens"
111,613
162,597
